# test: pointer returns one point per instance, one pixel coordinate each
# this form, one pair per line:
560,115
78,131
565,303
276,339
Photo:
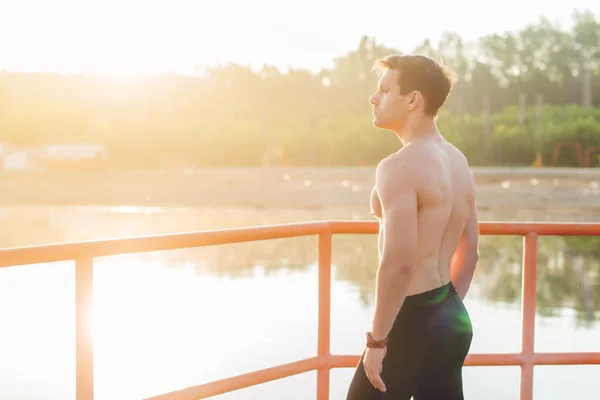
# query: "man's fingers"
375,379
369,376
379,383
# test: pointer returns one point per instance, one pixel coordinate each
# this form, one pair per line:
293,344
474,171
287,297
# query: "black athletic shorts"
427,347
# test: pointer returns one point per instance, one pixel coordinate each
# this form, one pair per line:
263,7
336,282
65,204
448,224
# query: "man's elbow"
473,247
474,254
398,269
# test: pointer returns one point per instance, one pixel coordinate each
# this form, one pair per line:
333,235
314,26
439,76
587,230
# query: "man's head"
411,87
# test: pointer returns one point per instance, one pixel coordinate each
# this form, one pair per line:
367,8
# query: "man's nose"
373,99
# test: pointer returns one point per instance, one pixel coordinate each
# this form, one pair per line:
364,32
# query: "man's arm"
397,190
466,255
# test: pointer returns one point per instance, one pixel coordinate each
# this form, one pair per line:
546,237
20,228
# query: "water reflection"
567,274
568,267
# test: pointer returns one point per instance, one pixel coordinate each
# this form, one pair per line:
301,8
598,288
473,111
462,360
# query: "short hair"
434,80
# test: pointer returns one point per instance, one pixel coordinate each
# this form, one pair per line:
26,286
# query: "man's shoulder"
401,167
418,164
406,160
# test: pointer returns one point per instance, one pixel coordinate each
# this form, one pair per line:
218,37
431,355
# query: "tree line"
518,94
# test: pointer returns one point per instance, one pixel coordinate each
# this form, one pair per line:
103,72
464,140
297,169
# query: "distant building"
19,161
74,156
15,159
52,157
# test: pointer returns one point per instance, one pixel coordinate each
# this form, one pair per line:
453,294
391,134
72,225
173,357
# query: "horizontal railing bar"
488,228
151,243
350,361
353,227
566,358
496,359
143,244
243,381
541,228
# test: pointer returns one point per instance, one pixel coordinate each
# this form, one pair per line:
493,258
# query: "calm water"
156,313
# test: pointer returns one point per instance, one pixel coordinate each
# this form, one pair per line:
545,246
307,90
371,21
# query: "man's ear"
414,99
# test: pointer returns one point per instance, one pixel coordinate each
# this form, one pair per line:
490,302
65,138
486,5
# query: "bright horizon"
136,37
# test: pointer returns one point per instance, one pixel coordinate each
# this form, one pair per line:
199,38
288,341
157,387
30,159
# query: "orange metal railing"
84,253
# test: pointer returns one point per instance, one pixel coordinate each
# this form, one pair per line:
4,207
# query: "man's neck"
424,128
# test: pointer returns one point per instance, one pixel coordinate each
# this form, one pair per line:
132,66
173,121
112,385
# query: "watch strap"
376,344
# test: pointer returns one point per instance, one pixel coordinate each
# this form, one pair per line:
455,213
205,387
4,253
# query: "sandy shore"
524,193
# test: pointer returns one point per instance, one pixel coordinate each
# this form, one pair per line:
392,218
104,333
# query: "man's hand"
373,363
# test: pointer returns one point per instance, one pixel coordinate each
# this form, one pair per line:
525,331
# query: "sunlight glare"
162,323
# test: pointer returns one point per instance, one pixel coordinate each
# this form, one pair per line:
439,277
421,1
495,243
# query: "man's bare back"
446,201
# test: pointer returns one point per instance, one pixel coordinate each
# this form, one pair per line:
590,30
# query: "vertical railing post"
323,346
84,345
530,250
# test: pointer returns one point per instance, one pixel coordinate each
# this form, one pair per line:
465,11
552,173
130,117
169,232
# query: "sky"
133,37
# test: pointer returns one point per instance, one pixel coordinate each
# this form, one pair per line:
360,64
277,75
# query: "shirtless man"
424,198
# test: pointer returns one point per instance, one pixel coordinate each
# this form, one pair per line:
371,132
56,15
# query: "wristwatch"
376,344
